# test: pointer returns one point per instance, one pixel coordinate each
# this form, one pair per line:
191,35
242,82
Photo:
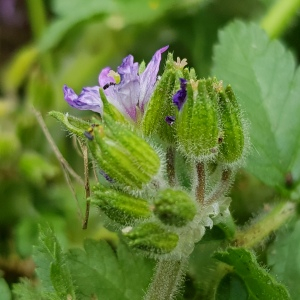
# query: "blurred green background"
45,44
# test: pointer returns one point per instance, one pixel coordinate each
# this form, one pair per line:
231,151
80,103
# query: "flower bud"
161,107
153,238
232,140
174,207
197,126
120,207
123,156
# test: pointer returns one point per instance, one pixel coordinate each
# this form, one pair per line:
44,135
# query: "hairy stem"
257,232
200,188
279,17
166,281
220,189
171,165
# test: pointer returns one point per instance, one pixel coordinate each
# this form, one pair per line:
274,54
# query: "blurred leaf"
284,258
52,269
99,271
73,13
19,67
262,74
260,284
36,169
4,290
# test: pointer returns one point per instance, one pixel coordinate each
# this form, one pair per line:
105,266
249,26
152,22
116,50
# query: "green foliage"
284,258
267,85
52,268
260,284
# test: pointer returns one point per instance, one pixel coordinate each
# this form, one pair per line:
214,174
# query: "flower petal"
89,98
124,96
104,78
148,78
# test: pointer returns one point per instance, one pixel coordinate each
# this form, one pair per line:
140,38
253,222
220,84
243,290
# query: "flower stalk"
167,278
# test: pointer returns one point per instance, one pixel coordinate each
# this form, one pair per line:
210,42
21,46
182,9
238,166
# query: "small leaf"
284,258
267,85
51,266
260,284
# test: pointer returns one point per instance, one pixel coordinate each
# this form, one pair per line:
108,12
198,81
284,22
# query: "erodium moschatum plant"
144,124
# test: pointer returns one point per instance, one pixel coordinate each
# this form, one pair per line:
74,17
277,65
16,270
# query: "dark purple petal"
180,96
89,98
148,78
170,120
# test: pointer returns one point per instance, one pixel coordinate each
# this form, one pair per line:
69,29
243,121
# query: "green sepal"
153,238
159,107
123,156
110,110
74,125
232,136
120,207
174,207
145,156
197,126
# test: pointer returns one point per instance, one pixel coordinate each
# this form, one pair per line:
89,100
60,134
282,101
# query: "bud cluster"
197,119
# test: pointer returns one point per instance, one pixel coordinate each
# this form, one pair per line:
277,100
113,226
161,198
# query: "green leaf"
99,271
4,290
263,76
284,258
51,265
260,284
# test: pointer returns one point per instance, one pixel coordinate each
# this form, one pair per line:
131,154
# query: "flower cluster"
180,115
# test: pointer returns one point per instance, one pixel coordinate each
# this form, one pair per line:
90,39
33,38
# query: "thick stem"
171,165
166,281
279,17
220,189
257,232
200,188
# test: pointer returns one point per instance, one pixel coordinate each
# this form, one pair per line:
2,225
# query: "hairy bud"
174,207
153,238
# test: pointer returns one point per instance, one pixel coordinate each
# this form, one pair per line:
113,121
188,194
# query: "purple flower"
127,90
180,96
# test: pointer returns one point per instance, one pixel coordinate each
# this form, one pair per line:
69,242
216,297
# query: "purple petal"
148,78
180,96
124,96
89,98
104,78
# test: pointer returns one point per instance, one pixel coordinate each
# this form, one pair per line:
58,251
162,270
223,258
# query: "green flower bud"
123,156
153,238
174,207
120,207
197,126
161,105
232,139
